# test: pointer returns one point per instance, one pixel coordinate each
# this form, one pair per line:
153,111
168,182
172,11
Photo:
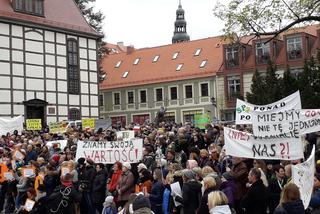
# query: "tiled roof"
115,48
62,14
165,68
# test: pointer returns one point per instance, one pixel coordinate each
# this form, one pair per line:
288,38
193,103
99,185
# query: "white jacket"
223,209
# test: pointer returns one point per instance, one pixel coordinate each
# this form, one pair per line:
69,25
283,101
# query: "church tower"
180,27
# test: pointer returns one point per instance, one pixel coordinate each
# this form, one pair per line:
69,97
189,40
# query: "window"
174,93
118,64
232,56
175,55
159,96
294,47
116,98
73,67
155,59
125,74
130,97
204,89
74,114
203,63
143,96
100,99
179,67
188,91
29,6
136,61
262,52
197,53
233,87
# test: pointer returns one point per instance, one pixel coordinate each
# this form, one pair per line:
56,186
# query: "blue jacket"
315,199
166,201
156,197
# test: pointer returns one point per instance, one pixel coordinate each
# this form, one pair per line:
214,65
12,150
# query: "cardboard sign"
8,176
9,125
18,155
28,172
33,124
242,144
58,127
303,177
125,134
202,120
88,123
244,109
109,152
29,205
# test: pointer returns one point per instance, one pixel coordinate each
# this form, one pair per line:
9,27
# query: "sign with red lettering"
108,152
242,144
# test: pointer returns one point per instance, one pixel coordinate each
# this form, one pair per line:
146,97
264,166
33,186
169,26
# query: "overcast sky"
149,23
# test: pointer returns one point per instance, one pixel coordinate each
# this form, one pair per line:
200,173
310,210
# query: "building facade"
48,61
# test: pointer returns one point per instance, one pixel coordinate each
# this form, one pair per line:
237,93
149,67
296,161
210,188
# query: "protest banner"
28,172
303,177
202,120
18,155
11,124
88,123
8,176
59,143
108,152
285,124
103,123
33,124
58,127
244,109
125,134
242,144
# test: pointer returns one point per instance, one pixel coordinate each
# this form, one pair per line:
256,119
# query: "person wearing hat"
144,182
125,184
109,207
141,205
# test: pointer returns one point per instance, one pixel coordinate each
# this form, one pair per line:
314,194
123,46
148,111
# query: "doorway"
36,109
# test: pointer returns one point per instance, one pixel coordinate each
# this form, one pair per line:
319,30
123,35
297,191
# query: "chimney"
120,45
130,49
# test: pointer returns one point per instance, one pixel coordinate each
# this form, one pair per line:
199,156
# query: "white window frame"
184,93
173,86
205,82
156,58
113,98
118,64
198,51
155,94
175,55
233,78
140,96
127,97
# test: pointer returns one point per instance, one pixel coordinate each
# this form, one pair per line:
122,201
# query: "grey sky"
148,23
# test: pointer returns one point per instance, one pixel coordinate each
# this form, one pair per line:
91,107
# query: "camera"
84,185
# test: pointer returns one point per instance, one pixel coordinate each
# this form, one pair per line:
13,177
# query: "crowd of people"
210,181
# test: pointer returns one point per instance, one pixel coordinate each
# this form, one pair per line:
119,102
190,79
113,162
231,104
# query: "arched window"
73,67
74,114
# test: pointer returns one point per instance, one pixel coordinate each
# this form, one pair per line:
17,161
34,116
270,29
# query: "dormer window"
136,61
262,52
232,56
125,74
155,59
179,67
197,53
118,64
175,55
294,48
34,7
203,63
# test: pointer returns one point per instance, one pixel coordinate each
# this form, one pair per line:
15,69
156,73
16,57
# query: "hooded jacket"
191,194
292,207
222,209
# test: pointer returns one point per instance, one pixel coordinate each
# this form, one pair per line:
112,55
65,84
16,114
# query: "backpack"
59,200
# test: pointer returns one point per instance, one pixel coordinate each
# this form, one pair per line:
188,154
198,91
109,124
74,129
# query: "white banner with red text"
243,144
108,152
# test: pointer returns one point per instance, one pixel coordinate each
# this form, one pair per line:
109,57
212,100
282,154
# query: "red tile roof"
164,70
116,48
62,14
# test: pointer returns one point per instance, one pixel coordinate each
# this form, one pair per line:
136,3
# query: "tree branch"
315,7
295,14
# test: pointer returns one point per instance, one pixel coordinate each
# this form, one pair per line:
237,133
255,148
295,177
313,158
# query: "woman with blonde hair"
218,203
209,184
290,201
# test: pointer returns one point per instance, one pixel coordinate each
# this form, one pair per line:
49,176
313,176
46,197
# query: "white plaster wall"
17,56
93,89
49,48
18,109
84,100
82,42
17,43
62,86
33,35
92,44
74,99
84,76
83,64
16,30
61,50
61,38
4,54
62,98
4,28
34,46
93,77
5,82
62,73
5,96
50,72
93,66
18,96
50,60
63,110
4,42
49,36
18,82
85,111
84,88
30,95
94,112
51,85
34,58
17,69
71,37
35,84
83,53
34,71
5,109
61,61
92,55
40,95
51,119
51,98
4,68
93,100
62,118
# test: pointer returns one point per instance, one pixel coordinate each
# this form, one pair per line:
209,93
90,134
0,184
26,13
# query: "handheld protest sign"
18,155
88,123
28,172
28,206
8,176
33,124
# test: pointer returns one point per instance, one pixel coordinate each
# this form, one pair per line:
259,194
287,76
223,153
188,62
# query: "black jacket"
255,201
191,194
203,209
274,192
292,207
99,187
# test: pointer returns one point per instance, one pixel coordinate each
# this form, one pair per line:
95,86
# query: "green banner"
201,120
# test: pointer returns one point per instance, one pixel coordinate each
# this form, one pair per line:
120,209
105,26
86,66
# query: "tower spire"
180,26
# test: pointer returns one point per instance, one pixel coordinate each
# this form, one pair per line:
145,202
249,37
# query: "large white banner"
302,176
244,109
242,144
109,152
285,124
11,124
60,143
